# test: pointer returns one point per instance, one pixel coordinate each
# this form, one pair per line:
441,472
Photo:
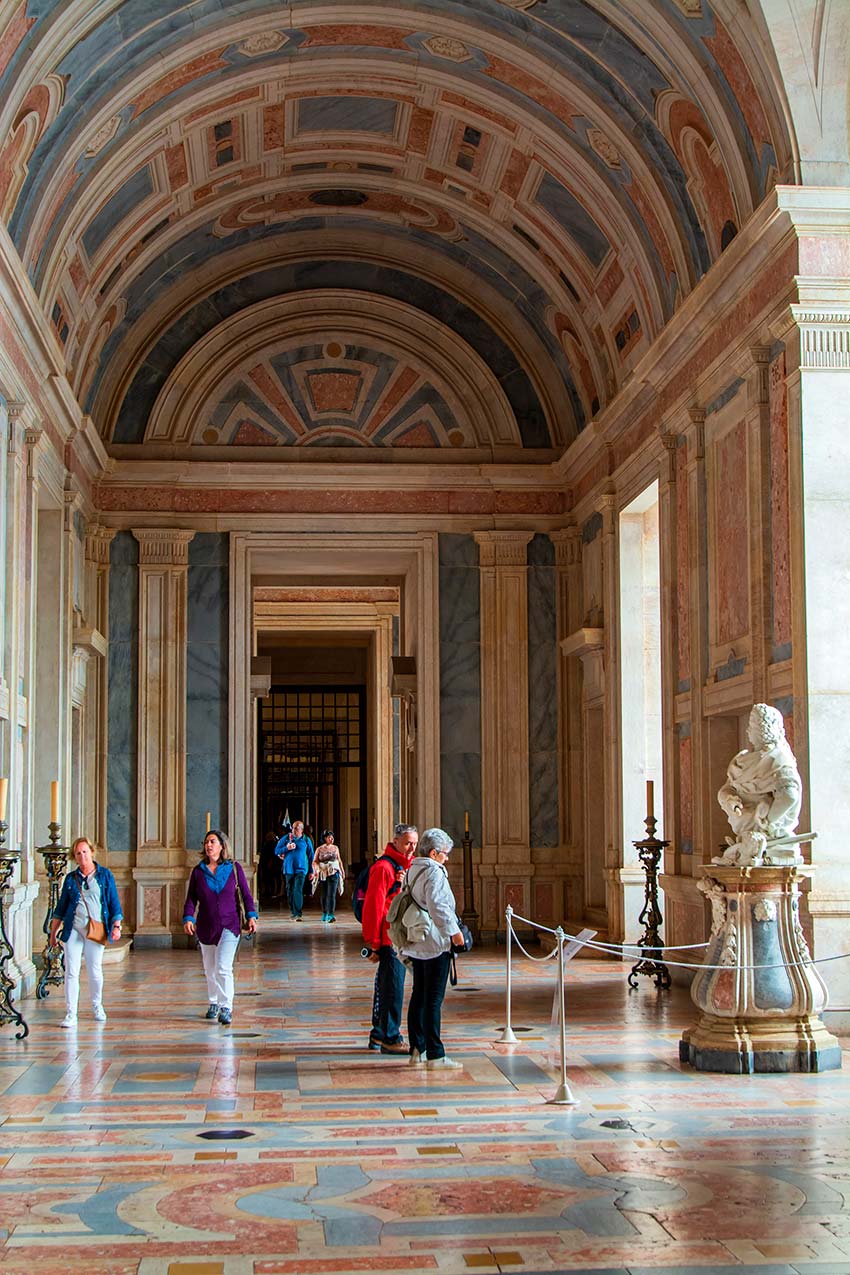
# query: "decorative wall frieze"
567,545
163,548
98,540
824,338
503,548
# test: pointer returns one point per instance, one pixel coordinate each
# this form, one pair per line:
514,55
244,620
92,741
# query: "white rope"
538,959
636,948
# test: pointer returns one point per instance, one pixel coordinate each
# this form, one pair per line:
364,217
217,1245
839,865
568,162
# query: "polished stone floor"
159,1143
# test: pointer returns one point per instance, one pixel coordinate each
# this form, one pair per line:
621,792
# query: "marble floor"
160,1144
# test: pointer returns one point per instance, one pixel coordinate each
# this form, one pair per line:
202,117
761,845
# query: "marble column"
506,868
818,363
94,635
568,608
160,872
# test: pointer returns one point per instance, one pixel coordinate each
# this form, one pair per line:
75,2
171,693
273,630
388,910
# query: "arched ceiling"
539,182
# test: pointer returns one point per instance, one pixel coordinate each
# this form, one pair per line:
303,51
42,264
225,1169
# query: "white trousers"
76,946
218,969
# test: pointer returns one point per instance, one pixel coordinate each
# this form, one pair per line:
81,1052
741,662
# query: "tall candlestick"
466,821
54,801
650,799
208,821
4,787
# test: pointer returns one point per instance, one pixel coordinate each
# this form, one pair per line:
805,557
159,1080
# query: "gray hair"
433,839
401,828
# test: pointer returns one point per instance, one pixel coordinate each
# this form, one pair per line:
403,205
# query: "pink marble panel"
683,593
273,127
686,790
152,904
250,435
738,76
116,498
514,895
731,538
475,108
780,523
334,391
176,166
738,317
544,902
207,64
826,255
419,130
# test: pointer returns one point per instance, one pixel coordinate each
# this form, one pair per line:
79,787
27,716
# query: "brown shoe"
397,1047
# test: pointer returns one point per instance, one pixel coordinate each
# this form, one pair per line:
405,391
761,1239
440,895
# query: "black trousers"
389,997
426,1004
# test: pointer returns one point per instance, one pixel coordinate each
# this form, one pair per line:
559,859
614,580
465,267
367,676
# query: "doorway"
312,755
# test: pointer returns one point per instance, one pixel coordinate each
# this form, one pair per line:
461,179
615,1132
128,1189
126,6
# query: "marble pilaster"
160,871
506,868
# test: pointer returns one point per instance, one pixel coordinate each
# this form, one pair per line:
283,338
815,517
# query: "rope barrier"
563,1094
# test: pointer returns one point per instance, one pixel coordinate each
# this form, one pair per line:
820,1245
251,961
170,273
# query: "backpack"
407,921
361,885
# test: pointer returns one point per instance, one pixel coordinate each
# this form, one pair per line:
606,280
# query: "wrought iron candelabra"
53,957
8,1013
469,915
650,850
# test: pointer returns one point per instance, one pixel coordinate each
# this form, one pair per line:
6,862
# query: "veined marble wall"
542,694
123,694
207,685
460,685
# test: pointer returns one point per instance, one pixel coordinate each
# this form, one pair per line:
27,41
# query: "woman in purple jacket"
212,889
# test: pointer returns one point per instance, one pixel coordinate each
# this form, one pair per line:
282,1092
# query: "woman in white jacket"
428,882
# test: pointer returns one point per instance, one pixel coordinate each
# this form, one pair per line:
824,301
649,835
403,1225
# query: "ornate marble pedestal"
763,1019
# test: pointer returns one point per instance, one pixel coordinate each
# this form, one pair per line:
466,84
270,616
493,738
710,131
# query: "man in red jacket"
386,878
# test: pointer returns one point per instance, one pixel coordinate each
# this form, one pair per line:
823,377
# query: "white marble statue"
762,795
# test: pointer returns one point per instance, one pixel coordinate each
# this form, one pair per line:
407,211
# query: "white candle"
54,801
4,788
466,821
208,821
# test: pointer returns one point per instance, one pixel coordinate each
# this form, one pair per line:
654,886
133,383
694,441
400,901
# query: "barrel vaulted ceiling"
445,225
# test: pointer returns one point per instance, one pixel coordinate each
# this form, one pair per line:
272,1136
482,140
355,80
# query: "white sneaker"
443,1064
416,1059
99,1013
70,1020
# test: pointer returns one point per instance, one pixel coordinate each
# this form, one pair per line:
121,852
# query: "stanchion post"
506,1036
563,1094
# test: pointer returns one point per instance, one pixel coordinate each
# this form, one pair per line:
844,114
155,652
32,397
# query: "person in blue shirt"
87,916
296,850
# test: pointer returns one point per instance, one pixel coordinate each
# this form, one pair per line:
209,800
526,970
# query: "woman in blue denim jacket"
87,915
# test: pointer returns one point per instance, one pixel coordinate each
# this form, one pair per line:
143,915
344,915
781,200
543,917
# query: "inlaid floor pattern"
161,1144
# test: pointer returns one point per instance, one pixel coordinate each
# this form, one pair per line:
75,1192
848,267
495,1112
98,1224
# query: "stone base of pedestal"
743,1047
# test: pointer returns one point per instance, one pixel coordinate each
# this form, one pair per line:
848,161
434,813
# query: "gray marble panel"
460,726
460,785
206,726
206,789
460,619
457,551
121,801
206,672
460,670
124,550
122,682
543,797
542,699
207,605
542,695
540,552
209,548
